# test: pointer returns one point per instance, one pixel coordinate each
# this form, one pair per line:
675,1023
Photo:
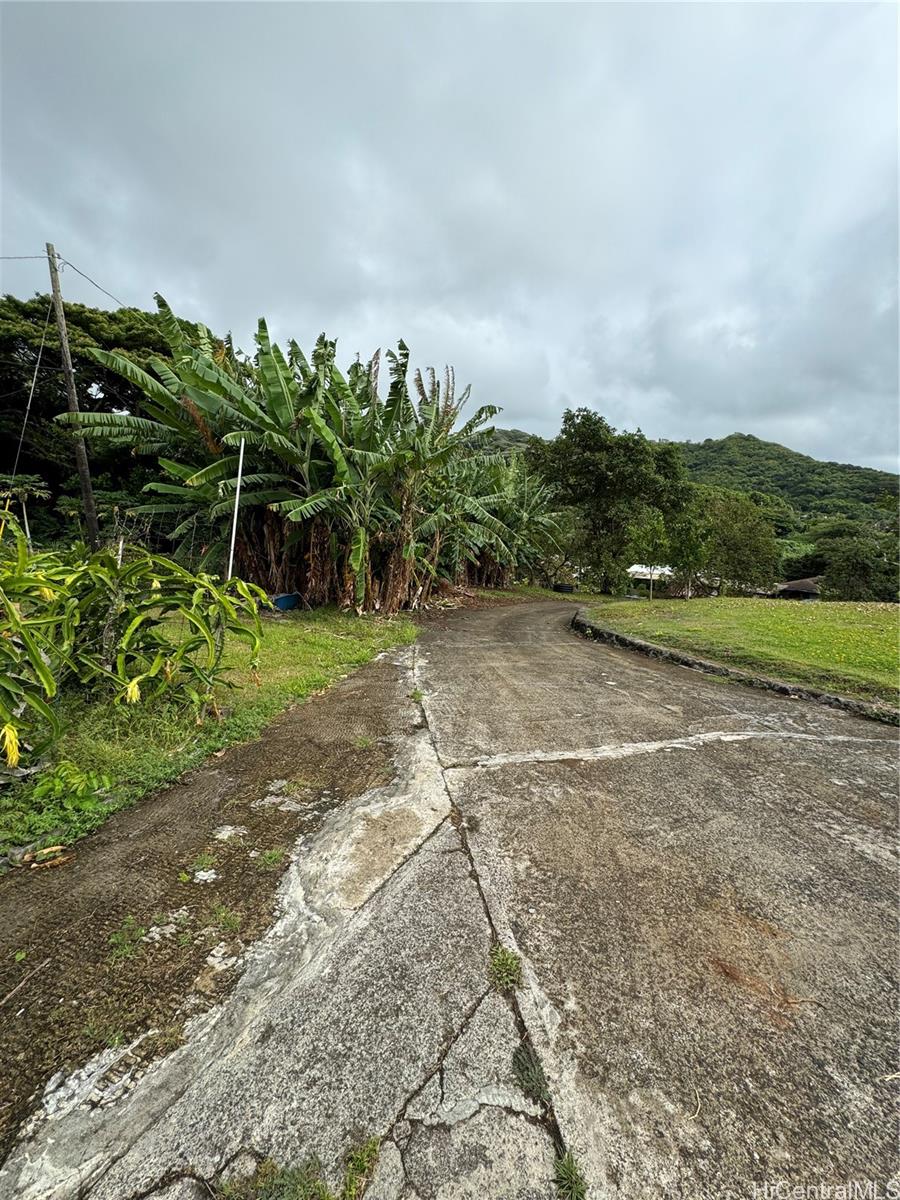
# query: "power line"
65,262
121,303
22,434
31,391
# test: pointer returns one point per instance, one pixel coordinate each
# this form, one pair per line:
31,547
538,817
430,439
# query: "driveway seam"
615,750
457,819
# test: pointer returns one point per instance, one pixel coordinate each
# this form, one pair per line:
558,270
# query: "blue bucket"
285,601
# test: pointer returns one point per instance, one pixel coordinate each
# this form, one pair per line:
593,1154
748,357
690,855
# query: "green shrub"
64,801
130,631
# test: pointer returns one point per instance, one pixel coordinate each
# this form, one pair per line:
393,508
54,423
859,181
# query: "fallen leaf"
53,862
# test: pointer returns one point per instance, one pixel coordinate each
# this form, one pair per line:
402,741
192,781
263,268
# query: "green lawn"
140,748
850,648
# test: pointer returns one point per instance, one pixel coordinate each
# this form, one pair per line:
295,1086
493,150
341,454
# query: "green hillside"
746,463
511,439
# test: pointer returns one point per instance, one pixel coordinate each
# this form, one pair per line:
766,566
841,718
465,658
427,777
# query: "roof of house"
639,571
801,585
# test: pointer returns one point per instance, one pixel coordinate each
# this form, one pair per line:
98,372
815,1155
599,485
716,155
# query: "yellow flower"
10,737
155,585
133,691
45,593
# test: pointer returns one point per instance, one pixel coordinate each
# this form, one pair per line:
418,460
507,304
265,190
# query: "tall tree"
346,494
861,568
741,551
46,448
608,476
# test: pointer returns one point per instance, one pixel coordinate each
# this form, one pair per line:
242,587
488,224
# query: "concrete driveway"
700,879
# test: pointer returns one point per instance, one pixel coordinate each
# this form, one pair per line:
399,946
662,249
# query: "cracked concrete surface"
700,879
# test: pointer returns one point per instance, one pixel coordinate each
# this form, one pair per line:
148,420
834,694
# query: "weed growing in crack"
126,940
167,1039
360,1165
271,1182
504,968
570,1184
529,1074
417,694
363,743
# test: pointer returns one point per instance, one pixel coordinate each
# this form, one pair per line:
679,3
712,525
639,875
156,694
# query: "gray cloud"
682,215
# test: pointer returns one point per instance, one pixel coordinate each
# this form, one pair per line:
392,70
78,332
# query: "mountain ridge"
744,462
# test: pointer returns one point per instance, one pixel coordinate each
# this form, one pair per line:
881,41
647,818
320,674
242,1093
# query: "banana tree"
345,495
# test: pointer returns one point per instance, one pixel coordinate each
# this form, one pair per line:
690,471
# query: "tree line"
628,499
349,488
372,492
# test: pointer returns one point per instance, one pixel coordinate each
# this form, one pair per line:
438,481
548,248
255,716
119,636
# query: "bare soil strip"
146,924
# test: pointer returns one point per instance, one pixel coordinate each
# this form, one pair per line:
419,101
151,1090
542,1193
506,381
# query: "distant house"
800,589
641,574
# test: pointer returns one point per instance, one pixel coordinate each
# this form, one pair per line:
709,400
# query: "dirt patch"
145,925
458,602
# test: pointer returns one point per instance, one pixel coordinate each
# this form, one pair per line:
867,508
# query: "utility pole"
81,458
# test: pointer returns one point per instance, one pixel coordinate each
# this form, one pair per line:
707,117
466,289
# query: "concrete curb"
860,708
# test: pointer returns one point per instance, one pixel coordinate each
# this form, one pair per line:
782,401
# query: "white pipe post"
237,501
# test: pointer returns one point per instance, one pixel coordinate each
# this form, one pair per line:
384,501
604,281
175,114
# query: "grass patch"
504,969
570,1184
132,750
534,592
271,1182
269,860
847,647
531,591
226,919
126,940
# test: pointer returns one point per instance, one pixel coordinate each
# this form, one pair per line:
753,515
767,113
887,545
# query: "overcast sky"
684,216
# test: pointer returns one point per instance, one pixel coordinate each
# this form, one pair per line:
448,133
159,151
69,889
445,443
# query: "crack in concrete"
438,1067
628,749
314,911
187,1173
548,1118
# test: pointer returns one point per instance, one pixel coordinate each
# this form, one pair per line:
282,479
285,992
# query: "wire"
31,390
66,263
25,419
121,303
